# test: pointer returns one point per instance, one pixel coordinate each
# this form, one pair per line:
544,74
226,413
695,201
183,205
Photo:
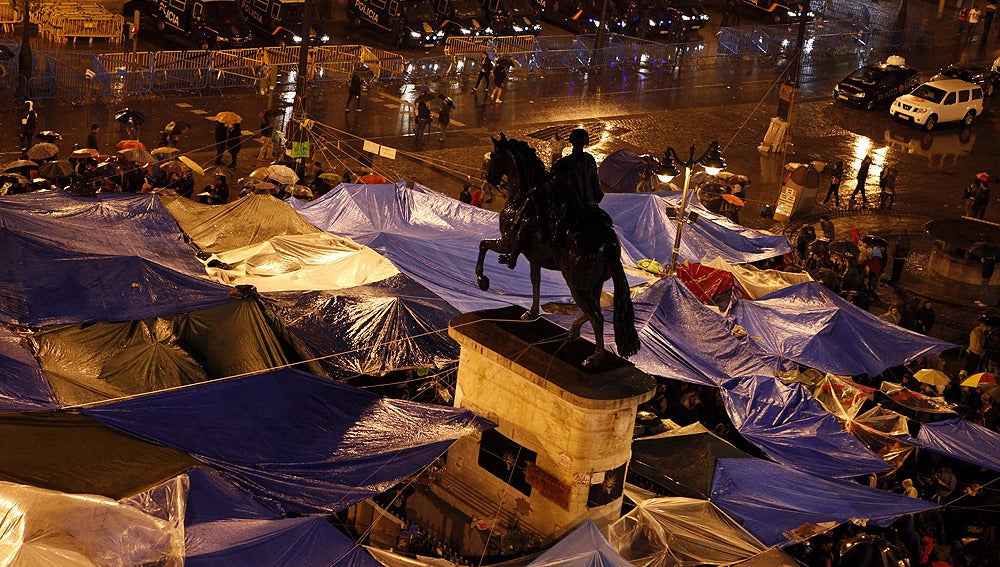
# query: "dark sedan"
974,74
872,85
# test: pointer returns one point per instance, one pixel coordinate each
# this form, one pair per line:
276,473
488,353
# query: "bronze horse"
588,256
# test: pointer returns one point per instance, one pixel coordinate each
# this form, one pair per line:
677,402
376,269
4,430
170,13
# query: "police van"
512,17
210,24
462,18
404,22
280,22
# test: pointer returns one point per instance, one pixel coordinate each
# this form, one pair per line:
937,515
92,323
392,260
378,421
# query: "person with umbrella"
977,347
354,92
980,198
444,114
835,176
500,73
29,122
988,259
424,121
221,135
93,142
130,121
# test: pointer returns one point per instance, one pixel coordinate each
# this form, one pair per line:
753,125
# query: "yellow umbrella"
229,118
192,164
979,378
932,377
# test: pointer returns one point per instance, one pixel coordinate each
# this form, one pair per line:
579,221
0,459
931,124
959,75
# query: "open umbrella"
56,169
163,152
984,250
300,191
192,164
329,176
992,389
128,144
844,247
217,170
42,151
84,153
983,176
979,378
258,185
932,377
130,116
176,127
870,551
873,240
175,167
282,174
733,199
49,136
228,118
19,164
137,155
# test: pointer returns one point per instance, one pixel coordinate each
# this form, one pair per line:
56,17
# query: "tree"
24,7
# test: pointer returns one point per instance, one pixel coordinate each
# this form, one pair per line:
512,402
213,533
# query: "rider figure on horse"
569,199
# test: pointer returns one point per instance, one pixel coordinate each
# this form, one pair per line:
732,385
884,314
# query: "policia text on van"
281,21
407,22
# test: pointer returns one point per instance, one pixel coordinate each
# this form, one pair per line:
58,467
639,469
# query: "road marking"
199,111
182,104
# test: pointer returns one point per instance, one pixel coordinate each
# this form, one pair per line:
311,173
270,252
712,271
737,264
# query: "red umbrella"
129,144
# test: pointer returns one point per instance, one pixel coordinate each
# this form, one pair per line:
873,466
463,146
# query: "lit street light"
713,163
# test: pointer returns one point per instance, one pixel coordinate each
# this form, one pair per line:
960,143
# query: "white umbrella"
282,174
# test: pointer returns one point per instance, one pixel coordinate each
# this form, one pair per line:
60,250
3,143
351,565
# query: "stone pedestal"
563,439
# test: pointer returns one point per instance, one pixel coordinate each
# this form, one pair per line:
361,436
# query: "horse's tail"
626,337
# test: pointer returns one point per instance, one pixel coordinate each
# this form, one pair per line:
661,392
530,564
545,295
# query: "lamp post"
713,163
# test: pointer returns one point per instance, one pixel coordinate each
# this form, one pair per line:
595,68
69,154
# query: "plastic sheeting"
646,231
295,442
913,404
813,326
73,453
41,527
306,262
755,283
962,440
212,498
583,547
791,427
773,557
621,171
23,385
704,282
389,325
292,542
770,501
682,460
114,224
88,363
250,220
676,532
54,285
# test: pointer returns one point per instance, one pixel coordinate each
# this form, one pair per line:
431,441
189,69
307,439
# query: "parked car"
462,17
401,22
693,14
872,85
579,16
945,100
652,20
776,11
986,78
512,17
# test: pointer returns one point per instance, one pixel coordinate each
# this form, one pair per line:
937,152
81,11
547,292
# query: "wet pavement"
729,101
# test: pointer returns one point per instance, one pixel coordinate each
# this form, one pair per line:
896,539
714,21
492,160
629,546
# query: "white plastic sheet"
758,283
45,528
668,532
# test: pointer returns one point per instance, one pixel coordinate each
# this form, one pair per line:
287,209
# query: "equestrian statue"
553,219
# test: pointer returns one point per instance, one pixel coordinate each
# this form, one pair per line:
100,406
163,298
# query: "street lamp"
713,163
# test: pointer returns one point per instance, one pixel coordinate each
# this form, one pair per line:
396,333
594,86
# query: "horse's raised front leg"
484,247
536,284
591,306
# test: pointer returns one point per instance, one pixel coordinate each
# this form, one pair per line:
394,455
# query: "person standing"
980,198
835,177
826,225
477,198
485,68
989,266
444,115
988,13
976,350
221,135
899,254
887,186
926,317
92,139
266,151
29,122
234,142
466,195
862,180
354,93
500,73
973,22
423,121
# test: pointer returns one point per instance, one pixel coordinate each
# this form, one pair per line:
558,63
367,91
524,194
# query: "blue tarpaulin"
295,442
53,285
961,439
813,326
118,224
646,231
583,547
770,500
23,385
792,428
211,498
292,542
